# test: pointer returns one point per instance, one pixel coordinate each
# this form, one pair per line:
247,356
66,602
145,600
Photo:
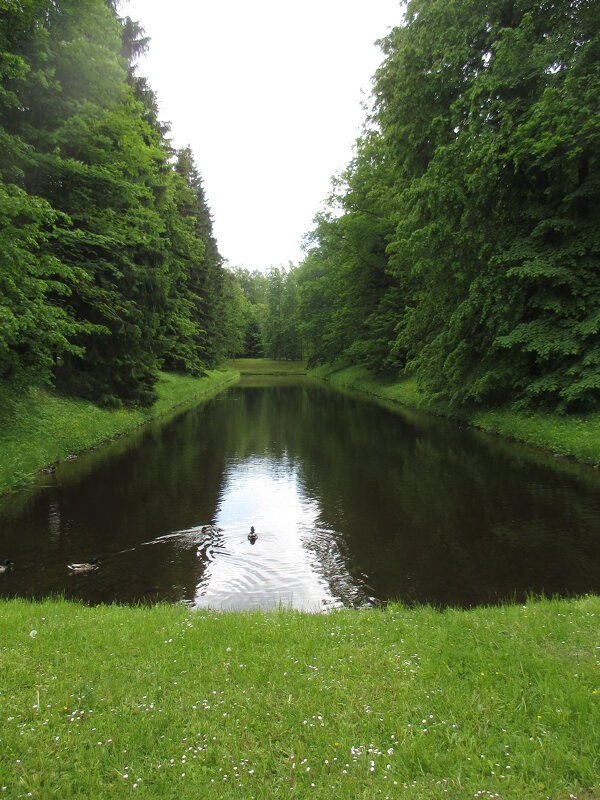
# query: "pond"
352,505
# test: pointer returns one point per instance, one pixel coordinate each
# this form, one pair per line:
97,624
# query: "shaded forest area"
263,314
109,269
461,245
108,265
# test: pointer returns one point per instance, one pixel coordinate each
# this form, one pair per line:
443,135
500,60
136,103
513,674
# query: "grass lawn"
399,703
572,435
41,428
267,366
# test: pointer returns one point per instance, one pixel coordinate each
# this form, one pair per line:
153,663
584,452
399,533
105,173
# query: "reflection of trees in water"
170,481
265,421
423,509
427,511
435,513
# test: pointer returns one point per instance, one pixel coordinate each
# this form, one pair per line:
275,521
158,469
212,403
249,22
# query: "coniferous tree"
86,151
205,278
35,327
108,261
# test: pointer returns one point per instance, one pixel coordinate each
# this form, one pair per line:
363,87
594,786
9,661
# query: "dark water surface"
352,505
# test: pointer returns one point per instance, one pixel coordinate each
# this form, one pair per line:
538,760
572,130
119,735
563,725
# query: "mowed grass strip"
576,435
267,366
395,702
40,428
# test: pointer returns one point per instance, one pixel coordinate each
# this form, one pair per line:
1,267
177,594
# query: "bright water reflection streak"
294,563
279,568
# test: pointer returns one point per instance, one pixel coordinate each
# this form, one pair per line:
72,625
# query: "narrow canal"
352,504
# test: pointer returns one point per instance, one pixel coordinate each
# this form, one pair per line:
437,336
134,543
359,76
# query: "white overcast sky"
268,95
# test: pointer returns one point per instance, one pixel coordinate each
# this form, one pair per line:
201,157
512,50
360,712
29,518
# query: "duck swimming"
252,536
213,529
6,566
91,567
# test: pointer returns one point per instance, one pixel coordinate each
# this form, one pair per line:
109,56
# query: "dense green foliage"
466,243
462,243
264,315
393,702
108,265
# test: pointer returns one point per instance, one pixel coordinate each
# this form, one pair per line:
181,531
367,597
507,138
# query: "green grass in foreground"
268,366
42,428
574,435
497,702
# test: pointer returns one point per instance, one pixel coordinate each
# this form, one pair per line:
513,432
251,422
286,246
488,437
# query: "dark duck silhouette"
6,566
252,536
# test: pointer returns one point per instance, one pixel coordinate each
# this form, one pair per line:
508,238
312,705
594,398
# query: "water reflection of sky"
349,503
281,567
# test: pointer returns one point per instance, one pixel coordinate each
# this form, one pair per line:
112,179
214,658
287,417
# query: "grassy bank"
499,702
267,366
41,428
573,435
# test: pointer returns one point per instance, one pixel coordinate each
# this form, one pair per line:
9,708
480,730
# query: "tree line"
109,269
264,314
462,243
